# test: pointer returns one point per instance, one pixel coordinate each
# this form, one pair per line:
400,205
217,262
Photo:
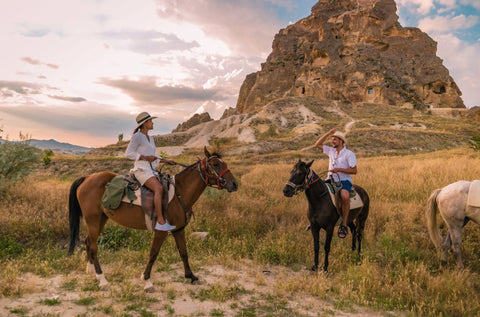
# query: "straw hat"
143,117
341,136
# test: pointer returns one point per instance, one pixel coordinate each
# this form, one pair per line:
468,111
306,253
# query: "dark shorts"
347,185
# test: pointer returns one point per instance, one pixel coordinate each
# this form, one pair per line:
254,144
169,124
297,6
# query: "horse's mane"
217,154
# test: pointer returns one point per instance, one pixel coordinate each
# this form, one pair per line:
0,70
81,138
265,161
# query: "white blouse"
140,145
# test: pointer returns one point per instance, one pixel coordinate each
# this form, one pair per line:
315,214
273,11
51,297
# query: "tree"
47,156
120,138
17,159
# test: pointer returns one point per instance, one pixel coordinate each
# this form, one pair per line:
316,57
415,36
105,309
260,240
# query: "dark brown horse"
85,200
322,214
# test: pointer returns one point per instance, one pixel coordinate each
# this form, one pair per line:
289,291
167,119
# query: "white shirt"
140,145
344,159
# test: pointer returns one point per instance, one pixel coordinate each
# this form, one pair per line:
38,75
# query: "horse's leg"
326,246
92,249
456,236
315,229
90,268
157,242
353,229
446,244
182,250
90,260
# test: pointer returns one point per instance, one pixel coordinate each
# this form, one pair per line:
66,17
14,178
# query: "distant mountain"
60,147
55,146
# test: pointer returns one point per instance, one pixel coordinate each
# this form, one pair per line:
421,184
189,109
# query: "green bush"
17,160
475,143
47,154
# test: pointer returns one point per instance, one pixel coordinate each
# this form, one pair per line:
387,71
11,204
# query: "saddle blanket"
149,222
355,199
474,194
138,200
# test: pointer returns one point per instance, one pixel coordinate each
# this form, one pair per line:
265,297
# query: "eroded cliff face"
352,50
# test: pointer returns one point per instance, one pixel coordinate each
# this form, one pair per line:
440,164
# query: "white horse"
456,210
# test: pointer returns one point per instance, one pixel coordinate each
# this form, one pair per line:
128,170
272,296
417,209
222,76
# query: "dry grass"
398,270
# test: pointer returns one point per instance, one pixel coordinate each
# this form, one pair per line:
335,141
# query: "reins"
202,168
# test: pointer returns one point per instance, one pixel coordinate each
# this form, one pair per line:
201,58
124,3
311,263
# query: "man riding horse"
342,163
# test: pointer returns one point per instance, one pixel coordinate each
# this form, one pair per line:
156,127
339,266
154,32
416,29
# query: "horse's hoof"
314,268
193,279
149,288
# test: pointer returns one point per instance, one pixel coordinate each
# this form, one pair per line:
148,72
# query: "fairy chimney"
352,50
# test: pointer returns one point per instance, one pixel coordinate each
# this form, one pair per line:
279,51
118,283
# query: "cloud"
70,99
473,3
20,87
420,6
150,42
246,26
98,120
458,56
146,91
447,24
32,61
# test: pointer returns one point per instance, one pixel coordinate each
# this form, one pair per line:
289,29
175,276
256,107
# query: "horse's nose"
287,191
233,186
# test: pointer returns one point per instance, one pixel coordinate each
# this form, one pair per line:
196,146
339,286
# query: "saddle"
129,190
474,194
333,190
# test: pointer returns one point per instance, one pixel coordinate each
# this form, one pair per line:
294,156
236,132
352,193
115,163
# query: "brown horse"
85,200
321,211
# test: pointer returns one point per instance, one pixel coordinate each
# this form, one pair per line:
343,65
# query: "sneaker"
165,227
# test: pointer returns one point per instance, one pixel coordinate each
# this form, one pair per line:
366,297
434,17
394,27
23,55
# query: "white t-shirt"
345,159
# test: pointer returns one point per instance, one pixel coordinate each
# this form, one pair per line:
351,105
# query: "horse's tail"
431,215
75,212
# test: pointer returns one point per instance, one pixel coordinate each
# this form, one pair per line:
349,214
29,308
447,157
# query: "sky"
79,71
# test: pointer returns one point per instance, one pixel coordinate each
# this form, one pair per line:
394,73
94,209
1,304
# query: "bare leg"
345,195
154,185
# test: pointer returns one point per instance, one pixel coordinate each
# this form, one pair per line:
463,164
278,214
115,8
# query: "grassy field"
398,271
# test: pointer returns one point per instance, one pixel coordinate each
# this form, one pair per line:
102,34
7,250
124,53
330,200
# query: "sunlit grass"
398,269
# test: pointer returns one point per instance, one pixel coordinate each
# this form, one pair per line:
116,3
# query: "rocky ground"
245,290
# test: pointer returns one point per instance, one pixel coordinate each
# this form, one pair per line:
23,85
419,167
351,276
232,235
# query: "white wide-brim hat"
143,117
341,136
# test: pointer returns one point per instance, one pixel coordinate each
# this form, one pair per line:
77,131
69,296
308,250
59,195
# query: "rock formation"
193,121
352,50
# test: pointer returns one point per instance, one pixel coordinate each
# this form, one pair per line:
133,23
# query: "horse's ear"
207,154
310,163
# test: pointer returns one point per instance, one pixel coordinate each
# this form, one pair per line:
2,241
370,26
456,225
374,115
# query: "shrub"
475,143
17,160
47,156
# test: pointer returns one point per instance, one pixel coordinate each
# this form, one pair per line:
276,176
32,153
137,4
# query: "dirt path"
237,291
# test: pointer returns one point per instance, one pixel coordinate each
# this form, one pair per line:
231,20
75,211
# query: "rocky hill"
349,50
193,121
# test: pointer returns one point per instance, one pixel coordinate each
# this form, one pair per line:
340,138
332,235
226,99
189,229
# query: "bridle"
310,178
208,173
